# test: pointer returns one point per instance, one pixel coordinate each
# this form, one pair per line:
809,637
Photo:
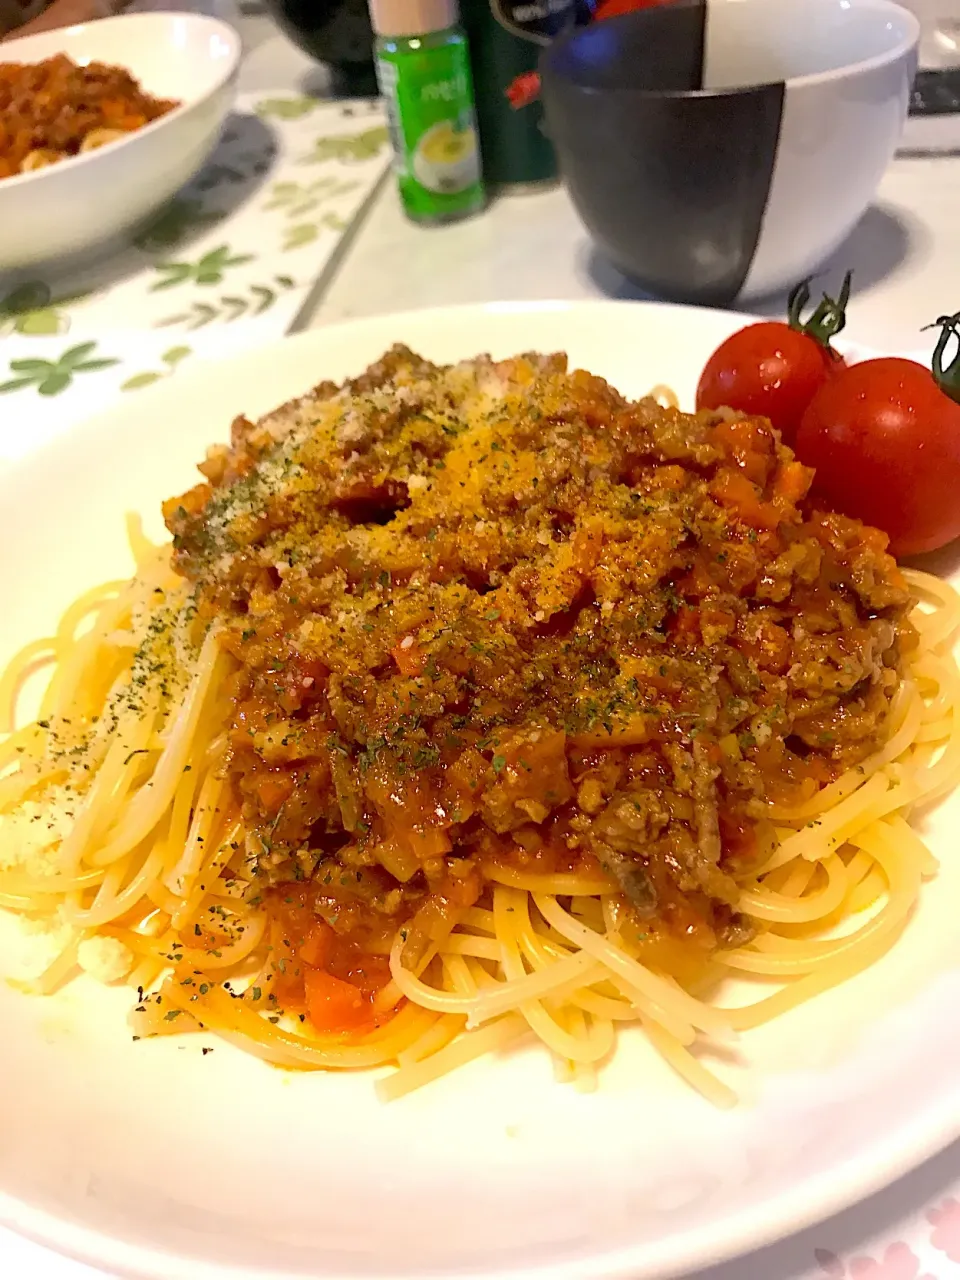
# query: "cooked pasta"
478,703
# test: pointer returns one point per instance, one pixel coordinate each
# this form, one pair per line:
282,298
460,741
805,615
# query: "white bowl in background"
78,203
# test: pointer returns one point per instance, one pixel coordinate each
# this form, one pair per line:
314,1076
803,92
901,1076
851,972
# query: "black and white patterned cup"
719,150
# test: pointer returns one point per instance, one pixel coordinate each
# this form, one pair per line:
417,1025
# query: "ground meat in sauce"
50,109
496,614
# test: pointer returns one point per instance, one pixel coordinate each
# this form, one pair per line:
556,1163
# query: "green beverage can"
506,39
423,68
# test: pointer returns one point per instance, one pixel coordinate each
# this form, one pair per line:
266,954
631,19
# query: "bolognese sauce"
55,109
495,616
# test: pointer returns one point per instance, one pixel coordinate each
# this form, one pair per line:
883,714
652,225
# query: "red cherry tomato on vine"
884,437
773,370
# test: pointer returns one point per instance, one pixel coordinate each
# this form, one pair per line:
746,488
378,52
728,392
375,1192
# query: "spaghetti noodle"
477,703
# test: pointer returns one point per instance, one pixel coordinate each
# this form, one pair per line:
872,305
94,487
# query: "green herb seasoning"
423,67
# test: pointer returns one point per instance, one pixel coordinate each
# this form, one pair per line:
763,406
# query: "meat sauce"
54,109
497,616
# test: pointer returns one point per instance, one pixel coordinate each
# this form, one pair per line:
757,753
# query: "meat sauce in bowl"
56,109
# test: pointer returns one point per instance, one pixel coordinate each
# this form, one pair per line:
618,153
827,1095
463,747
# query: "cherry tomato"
773,370
884,438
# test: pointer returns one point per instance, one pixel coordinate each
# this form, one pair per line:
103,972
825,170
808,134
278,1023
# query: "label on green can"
428,93
506,40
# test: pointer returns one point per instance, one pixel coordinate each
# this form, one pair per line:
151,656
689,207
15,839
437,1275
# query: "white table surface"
906,261
905,254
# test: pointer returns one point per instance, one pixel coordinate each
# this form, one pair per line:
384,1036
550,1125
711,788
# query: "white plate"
152,1160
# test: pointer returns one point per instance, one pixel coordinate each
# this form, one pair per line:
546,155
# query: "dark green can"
506,39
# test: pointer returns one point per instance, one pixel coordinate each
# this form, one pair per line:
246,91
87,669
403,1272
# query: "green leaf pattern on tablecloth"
215,264
170,358
210,269
350,148
228,308
31,309
299,198
306,232
50,377
285,108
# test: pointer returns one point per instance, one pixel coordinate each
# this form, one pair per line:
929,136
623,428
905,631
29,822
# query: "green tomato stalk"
829,316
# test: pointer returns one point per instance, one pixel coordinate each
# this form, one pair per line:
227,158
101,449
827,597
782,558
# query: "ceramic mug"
719,150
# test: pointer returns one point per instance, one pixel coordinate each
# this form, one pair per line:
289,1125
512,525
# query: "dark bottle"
506,38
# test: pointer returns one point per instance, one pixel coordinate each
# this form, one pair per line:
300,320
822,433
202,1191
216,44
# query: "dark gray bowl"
719,150
335,32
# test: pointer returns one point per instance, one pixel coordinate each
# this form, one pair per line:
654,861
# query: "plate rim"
205,366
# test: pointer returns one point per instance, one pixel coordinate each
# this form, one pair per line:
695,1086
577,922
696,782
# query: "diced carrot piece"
686,623
334,1005
318,946
735,492
715,623
428,841
587,545
698,581
272,790
792,483
749,442
410,658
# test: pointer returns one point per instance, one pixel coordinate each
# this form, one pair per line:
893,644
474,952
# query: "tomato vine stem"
946,376
829,316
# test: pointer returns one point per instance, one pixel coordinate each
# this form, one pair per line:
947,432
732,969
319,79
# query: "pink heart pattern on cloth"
899,1262
945,1220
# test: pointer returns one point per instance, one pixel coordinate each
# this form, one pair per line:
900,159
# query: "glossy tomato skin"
885,442
767,370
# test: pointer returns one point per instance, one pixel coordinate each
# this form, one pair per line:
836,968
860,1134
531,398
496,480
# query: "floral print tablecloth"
228,264
908,1232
